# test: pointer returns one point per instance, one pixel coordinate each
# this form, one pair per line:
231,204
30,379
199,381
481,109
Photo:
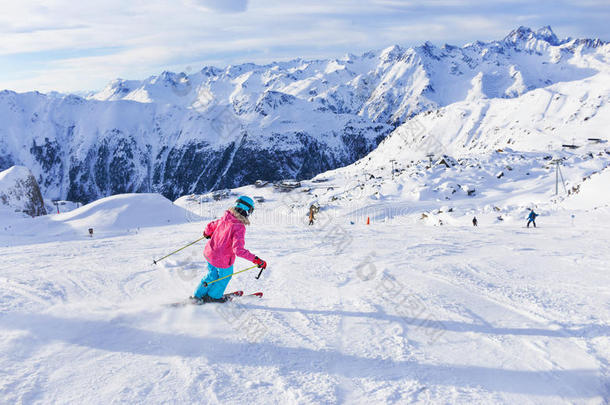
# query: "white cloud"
230,6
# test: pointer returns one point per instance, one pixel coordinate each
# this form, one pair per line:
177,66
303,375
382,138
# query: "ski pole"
237,272
176,251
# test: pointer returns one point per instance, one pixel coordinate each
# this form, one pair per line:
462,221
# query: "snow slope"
398,311
593,193
405,313
116,215
125,211
541,120
19,192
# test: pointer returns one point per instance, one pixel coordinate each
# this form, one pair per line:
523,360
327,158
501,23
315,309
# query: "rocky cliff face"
216,128
20,192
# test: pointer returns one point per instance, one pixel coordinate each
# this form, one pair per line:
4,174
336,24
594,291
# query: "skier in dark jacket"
474,221
531,218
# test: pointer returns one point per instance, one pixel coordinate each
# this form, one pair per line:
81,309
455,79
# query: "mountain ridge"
179,133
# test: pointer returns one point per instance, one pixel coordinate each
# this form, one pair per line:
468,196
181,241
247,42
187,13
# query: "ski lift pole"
176,251
232,274
562,180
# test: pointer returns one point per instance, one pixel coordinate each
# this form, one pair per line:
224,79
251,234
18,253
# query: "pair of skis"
225,298
239,293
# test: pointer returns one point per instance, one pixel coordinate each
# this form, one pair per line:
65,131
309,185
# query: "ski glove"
260,263
207,236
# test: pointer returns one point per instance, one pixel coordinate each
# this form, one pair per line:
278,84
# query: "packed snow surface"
394,312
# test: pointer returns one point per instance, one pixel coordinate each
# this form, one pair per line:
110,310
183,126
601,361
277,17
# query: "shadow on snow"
112,336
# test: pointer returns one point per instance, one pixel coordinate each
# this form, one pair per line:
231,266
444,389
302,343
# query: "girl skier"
226,237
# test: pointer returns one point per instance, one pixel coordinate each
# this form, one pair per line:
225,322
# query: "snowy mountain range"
180,133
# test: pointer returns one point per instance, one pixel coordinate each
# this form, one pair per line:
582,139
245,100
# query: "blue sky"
69,47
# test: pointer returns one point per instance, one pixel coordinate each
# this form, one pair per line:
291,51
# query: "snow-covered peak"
525,36
116,90
392,84
391,54
547,33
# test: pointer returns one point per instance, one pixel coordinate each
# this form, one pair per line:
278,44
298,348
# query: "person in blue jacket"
531,218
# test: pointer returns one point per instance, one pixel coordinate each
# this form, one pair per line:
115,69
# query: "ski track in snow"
522,317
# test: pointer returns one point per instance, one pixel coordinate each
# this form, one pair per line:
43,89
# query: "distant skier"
531,218
226,241
475,222
311,214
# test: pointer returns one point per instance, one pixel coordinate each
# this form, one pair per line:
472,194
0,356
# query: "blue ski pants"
217,289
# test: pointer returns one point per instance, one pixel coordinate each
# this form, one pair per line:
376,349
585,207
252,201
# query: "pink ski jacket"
227,240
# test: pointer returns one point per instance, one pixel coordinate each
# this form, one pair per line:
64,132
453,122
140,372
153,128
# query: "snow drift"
122,214
125,211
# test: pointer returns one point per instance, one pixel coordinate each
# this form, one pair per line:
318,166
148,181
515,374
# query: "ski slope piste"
399,311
